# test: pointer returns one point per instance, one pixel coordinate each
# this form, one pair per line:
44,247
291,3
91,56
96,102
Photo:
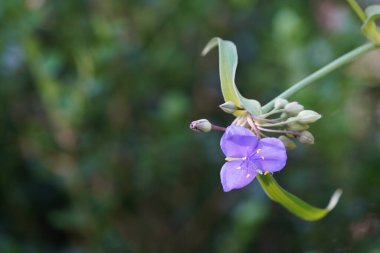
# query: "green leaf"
294,204
228,60
369,27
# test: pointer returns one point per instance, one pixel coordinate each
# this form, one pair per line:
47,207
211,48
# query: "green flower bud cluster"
293,122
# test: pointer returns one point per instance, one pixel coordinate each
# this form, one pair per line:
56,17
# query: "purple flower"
247,155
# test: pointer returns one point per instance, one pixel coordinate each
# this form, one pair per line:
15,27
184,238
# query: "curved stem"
344,59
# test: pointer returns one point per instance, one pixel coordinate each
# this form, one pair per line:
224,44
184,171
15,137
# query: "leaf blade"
228,60
295,205
227,68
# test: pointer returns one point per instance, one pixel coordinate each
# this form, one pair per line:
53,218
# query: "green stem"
358,10
342,60
278,131
279,123
271,113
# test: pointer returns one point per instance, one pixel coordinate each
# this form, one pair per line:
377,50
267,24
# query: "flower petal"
236,175
238,142
271,154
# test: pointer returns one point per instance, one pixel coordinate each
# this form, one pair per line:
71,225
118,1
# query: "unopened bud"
202,125
308,116
306,137
280,103
294,125
228,107
293,108
289,144
284,115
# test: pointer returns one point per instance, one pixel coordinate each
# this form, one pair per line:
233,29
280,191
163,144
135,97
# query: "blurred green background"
95,102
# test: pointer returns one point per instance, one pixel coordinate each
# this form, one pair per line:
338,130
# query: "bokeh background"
95,102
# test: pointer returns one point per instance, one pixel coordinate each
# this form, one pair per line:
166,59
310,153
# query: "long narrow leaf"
228,60
293,203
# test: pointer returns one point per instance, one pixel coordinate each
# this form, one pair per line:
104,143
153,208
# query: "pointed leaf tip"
295,205
334,199
210,45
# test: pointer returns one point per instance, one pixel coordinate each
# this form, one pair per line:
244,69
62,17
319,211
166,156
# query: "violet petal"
271,153
238,141
236,175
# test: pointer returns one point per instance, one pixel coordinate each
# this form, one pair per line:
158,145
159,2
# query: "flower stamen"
229,159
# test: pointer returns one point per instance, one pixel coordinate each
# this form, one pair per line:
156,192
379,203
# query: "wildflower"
248,155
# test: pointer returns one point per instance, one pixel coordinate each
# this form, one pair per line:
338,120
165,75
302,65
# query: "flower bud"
306,137
280,103
294,125
308,116
228,107
289,144
202,125
284,115
293,108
